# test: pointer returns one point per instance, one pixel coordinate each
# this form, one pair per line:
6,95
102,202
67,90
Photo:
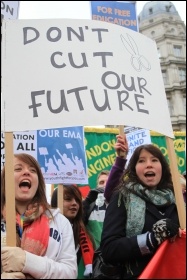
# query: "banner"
101,154
98,145
60,153
9,9
120,13
179,145
169,261
108,78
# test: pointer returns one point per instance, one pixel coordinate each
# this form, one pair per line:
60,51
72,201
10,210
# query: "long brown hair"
77,223
40,196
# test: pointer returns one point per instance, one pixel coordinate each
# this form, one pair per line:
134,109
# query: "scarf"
30,237
29,225
32,230
86,248
135,205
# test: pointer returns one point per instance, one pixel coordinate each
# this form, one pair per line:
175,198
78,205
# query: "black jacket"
89,203
117,248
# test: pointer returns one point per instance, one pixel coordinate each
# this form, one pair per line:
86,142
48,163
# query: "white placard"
67,72
136,138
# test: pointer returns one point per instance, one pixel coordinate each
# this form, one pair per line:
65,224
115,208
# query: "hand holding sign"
121,146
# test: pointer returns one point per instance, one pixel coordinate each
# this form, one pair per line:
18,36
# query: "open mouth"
25,183
149,174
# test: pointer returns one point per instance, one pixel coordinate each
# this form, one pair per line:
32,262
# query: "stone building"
160,21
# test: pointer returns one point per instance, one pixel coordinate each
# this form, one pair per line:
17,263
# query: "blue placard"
119,13
61,154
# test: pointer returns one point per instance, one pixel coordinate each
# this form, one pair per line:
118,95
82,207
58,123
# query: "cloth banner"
101,155
169,262
179,145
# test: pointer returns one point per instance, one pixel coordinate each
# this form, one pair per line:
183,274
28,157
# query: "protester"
121,148
102,179
45,245
73,211
94,206
142,212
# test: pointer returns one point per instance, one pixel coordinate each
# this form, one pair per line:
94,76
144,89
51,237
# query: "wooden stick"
122,133
60,197
52,189
121,130
10,191
176,182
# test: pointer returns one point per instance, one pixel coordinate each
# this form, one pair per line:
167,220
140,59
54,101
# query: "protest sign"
9,9
59,151
137,138
121,13
99,147
61,154
86,75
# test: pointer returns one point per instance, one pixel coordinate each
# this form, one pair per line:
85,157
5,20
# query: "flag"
169,262
69,146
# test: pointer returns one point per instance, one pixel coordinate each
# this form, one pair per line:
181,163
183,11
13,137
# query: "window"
159,53
150,11
152,33
170,107
165,76
177,50
182,74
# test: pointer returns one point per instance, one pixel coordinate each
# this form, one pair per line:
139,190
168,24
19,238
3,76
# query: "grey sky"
74,9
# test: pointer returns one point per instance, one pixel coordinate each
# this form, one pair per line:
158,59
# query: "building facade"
160,21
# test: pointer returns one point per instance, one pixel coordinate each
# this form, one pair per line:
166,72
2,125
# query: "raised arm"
118,167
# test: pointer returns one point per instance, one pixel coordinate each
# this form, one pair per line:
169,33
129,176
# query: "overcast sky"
74,9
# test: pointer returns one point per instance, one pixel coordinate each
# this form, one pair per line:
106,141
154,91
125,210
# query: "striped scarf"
87,249
29,235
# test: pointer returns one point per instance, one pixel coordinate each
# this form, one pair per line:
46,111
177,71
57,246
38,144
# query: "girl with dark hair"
45,245
73,211
142,212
